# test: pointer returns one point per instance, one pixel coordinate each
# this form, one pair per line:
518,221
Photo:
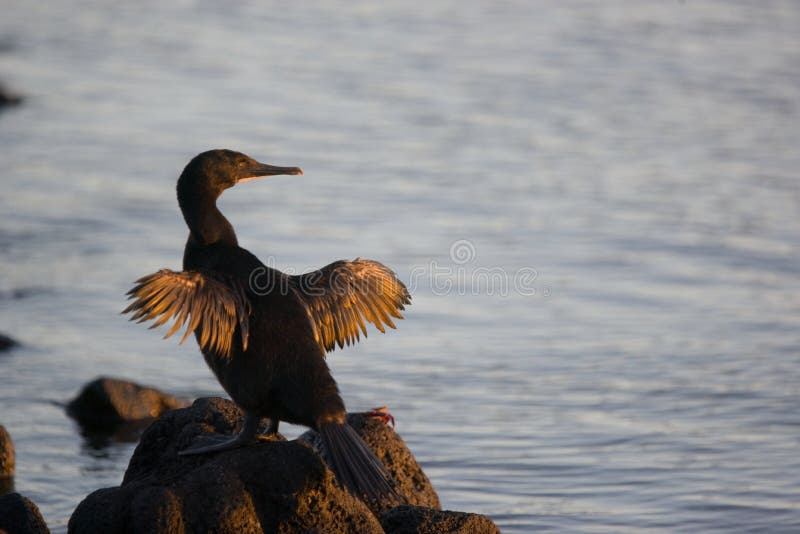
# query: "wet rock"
6,463
106,402
20,293
418,520
19,515
6,454
273,486
6,343
8,97
412,483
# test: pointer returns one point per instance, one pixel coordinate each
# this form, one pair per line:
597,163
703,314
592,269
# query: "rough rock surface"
6,454
19,515
6,343
109,401
274,486
412,483
418,520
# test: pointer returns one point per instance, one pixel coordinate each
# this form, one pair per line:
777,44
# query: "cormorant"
264,333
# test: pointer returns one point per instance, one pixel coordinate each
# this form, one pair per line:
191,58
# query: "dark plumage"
264,333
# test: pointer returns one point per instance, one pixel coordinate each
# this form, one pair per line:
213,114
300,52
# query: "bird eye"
241,163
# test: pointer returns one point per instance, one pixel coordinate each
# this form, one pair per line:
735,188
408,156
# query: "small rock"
6,343
391,450
9,98
108,402
6,454
19,515
418,520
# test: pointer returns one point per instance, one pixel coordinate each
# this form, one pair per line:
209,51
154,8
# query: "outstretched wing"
341,296
202,301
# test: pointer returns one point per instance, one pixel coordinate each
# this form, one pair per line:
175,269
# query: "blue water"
595,205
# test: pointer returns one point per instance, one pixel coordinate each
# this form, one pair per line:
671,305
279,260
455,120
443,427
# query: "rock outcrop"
6,454
19,515
8,97
6,343
106,402
273,486
391,450
419,520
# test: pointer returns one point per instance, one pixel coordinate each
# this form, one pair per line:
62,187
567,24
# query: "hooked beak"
262,169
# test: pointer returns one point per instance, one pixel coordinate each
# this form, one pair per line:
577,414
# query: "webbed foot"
213,443
217,442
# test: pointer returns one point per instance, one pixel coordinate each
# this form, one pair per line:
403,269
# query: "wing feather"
202,302
342,297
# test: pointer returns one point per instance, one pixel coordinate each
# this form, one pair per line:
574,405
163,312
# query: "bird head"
216,170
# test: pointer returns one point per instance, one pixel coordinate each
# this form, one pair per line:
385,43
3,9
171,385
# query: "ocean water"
595,205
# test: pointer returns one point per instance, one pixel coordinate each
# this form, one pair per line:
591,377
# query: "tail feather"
355,466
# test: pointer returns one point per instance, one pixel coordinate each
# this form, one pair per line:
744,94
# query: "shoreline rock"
6,454
271,486
6,343
391,450
268,487
8,97
105,403
419,520
20,515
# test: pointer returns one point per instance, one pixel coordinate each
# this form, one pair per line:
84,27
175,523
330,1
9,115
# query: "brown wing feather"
214,306
341,296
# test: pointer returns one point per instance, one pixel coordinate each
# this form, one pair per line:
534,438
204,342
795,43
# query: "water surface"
595,205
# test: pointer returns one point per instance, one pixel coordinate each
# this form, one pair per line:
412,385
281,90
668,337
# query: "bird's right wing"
196,298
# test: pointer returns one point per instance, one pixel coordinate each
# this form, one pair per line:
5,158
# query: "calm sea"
595,205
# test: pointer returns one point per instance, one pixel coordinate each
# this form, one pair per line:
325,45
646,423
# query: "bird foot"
382,414
217,442
213,443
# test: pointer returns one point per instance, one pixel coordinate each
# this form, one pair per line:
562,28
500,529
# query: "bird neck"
207,224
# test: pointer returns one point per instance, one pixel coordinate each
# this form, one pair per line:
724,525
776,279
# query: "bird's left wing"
341,296
202,300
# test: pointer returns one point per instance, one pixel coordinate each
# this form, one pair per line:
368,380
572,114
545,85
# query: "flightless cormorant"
264,333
